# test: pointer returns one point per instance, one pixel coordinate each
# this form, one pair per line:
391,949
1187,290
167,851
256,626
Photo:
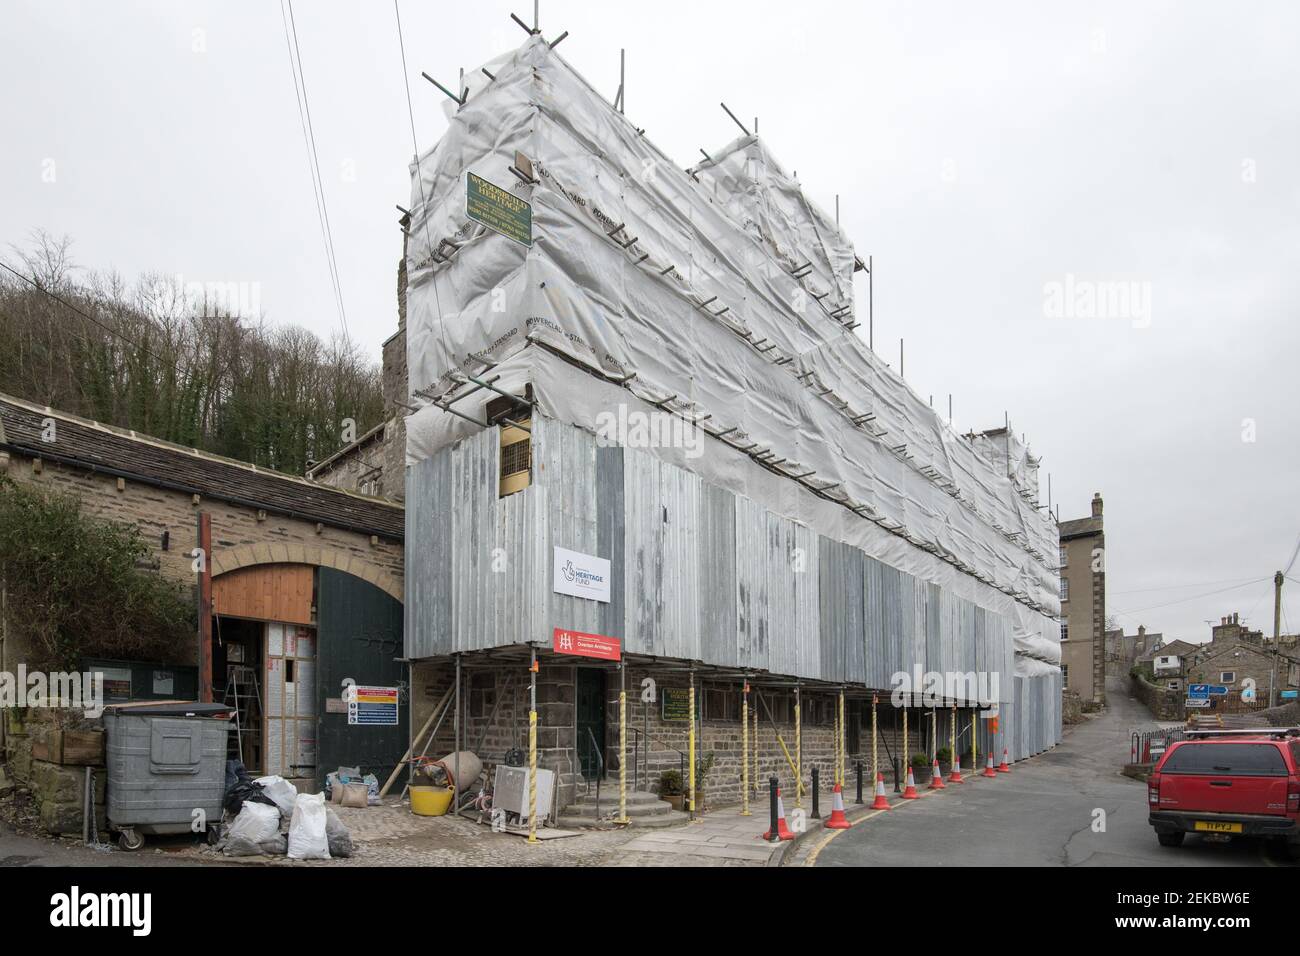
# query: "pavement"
1069,806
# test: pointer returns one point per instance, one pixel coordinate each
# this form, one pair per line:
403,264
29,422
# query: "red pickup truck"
1228,783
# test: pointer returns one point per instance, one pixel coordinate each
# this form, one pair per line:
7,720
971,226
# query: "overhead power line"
313,159
419,176
86,315
1194,597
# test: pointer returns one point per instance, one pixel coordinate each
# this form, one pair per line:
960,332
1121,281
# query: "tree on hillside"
158,359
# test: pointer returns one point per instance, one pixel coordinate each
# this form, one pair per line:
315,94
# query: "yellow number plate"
1214,826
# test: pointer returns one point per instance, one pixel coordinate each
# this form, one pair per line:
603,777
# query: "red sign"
586,645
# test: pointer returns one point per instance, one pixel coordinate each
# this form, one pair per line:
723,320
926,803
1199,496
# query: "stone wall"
240,536
1164,704
58,791
719,729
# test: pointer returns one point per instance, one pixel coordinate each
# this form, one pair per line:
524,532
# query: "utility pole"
1277,637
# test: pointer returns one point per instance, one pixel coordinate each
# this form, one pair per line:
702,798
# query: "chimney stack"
1096,504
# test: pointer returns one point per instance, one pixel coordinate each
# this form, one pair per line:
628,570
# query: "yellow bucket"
430,801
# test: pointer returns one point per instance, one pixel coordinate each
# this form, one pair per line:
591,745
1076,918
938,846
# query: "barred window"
516,457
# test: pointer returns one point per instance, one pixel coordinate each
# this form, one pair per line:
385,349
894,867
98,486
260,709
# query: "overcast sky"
982,153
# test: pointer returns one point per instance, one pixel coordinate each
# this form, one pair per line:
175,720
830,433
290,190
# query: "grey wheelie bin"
166,768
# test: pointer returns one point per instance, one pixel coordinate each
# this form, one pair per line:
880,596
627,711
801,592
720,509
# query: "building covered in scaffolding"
650,446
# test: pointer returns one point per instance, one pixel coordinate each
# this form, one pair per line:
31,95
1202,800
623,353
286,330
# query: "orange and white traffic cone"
988,768
909,787
936,777
954,775
1002,767
782,831
837,821
881,801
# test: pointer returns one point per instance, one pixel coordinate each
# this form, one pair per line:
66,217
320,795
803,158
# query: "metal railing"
600,767
636,757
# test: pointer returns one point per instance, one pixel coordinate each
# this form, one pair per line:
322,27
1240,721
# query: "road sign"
1207,690
499,210
1290,694
1197,703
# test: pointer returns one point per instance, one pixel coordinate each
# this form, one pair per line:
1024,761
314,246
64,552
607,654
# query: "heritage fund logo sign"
497,209
581,575
578,644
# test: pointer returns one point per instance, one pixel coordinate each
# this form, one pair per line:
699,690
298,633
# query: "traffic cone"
909,788
782,831
936,777
954,775
1002,767
881,802
988,768
837,821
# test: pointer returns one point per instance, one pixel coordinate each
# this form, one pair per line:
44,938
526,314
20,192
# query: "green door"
591,720
359,637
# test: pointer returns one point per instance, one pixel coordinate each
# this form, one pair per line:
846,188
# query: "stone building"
1083,604
303,582
1123,650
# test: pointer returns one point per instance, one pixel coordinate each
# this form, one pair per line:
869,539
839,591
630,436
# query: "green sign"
676,703
497,209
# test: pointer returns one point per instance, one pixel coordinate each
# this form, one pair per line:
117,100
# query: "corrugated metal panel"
753,623
841,609
716,559
698,573
643,549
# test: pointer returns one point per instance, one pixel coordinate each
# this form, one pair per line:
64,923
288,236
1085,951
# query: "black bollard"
858,769
897,789
816,790
771,799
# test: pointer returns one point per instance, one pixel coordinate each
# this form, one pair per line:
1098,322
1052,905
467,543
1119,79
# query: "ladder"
244,697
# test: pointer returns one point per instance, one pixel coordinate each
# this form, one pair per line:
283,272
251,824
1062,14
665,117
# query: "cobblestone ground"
391,835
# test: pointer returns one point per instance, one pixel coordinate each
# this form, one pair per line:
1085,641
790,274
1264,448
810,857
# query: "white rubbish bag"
307,837
256,822
281,791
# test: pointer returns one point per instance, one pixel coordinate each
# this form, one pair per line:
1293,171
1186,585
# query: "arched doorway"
286,636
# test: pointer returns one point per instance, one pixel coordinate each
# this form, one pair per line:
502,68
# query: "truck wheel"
1171,839
130,841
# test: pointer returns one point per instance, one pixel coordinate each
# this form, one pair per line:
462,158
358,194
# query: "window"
1065,674
1227,677
1063,561
1237,759
721,703
1065,589
482,693
1065,630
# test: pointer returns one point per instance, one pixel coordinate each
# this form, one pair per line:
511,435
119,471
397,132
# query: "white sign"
581,575
1196,703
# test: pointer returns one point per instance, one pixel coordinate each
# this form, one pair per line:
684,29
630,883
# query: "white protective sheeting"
721,295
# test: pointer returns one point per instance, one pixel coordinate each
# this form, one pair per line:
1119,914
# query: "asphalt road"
1041,814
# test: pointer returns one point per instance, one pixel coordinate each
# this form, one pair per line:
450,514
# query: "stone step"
609,798
573,821
610,807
